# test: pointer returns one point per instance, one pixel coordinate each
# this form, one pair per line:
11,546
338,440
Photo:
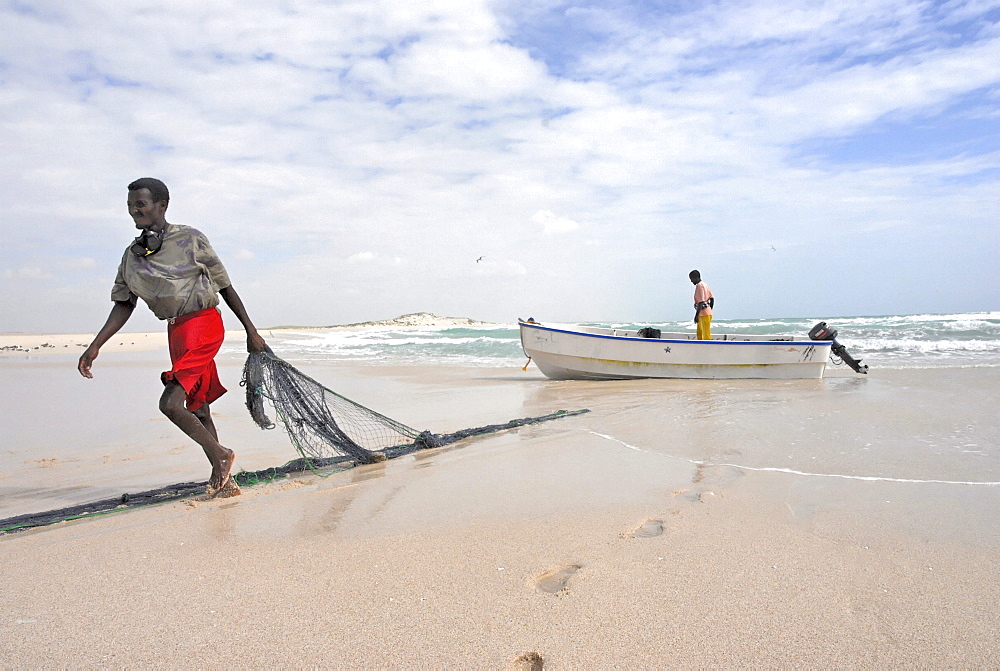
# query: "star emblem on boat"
667,350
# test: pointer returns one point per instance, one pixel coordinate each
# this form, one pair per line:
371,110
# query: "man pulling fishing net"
175,271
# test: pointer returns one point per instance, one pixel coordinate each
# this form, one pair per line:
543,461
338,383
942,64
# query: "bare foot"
229,489
220,471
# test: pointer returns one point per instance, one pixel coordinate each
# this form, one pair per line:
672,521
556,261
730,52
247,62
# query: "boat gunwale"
678,341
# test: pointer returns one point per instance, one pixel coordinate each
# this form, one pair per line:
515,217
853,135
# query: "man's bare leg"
196,428
204,415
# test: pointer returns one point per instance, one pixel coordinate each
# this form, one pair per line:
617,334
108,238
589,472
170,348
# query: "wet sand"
843,522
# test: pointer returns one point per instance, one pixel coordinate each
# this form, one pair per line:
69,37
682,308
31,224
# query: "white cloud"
81,263
862,94
500,268
553,224
361,257
369,258
30,273
476,73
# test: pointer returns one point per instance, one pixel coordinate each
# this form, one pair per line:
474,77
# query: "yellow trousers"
705,327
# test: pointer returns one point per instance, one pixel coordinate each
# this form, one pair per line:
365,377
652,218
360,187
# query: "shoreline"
58,343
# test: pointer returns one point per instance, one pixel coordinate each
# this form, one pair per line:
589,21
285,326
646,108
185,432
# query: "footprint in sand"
529,661
554,580
696,495
718,475
648,529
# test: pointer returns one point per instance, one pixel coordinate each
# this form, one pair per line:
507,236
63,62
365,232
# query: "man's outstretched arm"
119,315
255,343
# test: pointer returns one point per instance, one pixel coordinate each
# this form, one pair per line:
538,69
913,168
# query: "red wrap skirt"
194,341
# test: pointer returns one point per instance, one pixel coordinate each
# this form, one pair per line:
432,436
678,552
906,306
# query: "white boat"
591,353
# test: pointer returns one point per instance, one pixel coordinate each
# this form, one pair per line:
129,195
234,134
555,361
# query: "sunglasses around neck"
148,243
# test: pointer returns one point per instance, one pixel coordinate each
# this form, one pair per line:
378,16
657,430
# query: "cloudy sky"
495,159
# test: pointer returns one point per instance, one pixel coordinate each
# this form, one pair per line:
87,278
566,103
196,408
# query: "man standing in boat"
704,301
174,269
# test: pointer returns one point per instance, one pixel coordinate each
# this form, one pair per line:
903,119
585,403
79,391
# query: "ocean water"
892,341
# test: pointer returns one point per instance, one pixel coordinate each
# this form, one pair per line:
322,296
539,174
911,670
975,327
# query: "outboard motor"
823,332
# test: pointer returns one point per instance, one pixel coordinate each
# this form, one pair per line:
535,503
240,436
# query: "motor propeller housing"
824,332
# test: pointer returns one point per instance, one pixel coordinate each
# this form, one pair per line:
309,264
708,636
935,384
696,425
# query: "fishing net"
320,422
323,424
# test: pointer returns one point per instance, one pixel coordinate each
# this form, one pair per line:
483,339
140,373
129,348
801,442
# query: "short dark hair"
694,276
157,189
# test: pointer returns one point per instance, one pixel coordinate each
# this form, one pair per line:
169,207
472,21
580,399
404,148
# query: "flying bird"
479,259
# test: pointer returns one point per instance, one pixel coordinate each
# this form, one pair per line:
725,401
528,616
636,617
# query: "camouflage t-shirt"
184,276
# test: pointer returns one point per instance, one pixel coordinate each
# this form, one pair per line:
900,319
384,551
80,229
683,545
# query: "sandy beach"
842,522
